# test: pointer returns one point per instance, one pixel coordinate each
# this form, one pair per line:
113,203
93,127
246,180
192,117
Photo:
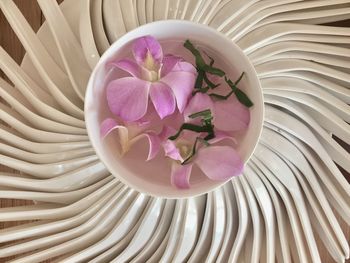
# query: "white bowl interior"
153,177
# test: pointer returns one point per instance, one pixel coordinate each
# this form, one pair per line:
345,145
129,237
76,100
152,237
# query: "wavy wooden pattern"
291,203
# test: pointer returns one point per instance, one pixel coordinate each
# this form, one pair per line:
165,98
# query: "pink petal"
127,65
154,145
128,98
107,126
166,132
143,122
147,45
150,117
153,141
172,151
169,61
163,99
180,175
219,136
184,66
231,115
219,163
182,84
197,103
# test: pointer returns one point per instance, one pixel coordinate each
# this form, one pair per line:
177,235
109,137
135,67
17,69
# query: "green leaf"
206,114
190,127
243,98
209,136
240,78
221,97
234,85
213,70
204,68
199,59
200,63
211,63
199,80
191,48
229,82
202,90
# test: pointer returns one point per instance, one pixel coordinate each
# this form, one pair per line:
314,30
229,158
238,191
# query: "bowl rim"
104,58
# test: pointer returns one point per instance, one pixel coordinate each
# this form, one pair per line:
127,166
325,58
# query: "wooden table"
12,45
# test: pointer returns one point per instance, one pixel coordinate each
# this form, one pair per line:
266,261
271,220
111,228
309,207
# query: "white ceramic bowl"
154,177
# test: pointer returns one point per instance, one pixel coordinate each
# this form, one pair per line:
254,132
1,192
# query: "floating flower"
217,162
206,123
166,79
131,133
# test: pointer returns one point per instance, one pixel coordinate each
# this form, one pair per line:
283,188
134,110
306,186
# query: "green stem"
190,127
221,97
209,83
194,149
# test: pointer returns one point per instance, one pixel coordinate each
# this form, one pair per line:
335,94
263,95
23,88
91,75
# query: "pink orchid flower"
228,115
166,79
130,134
219,163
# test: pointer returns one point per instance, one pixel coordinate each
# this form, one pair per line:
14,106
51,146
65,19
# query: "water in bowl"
134,160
